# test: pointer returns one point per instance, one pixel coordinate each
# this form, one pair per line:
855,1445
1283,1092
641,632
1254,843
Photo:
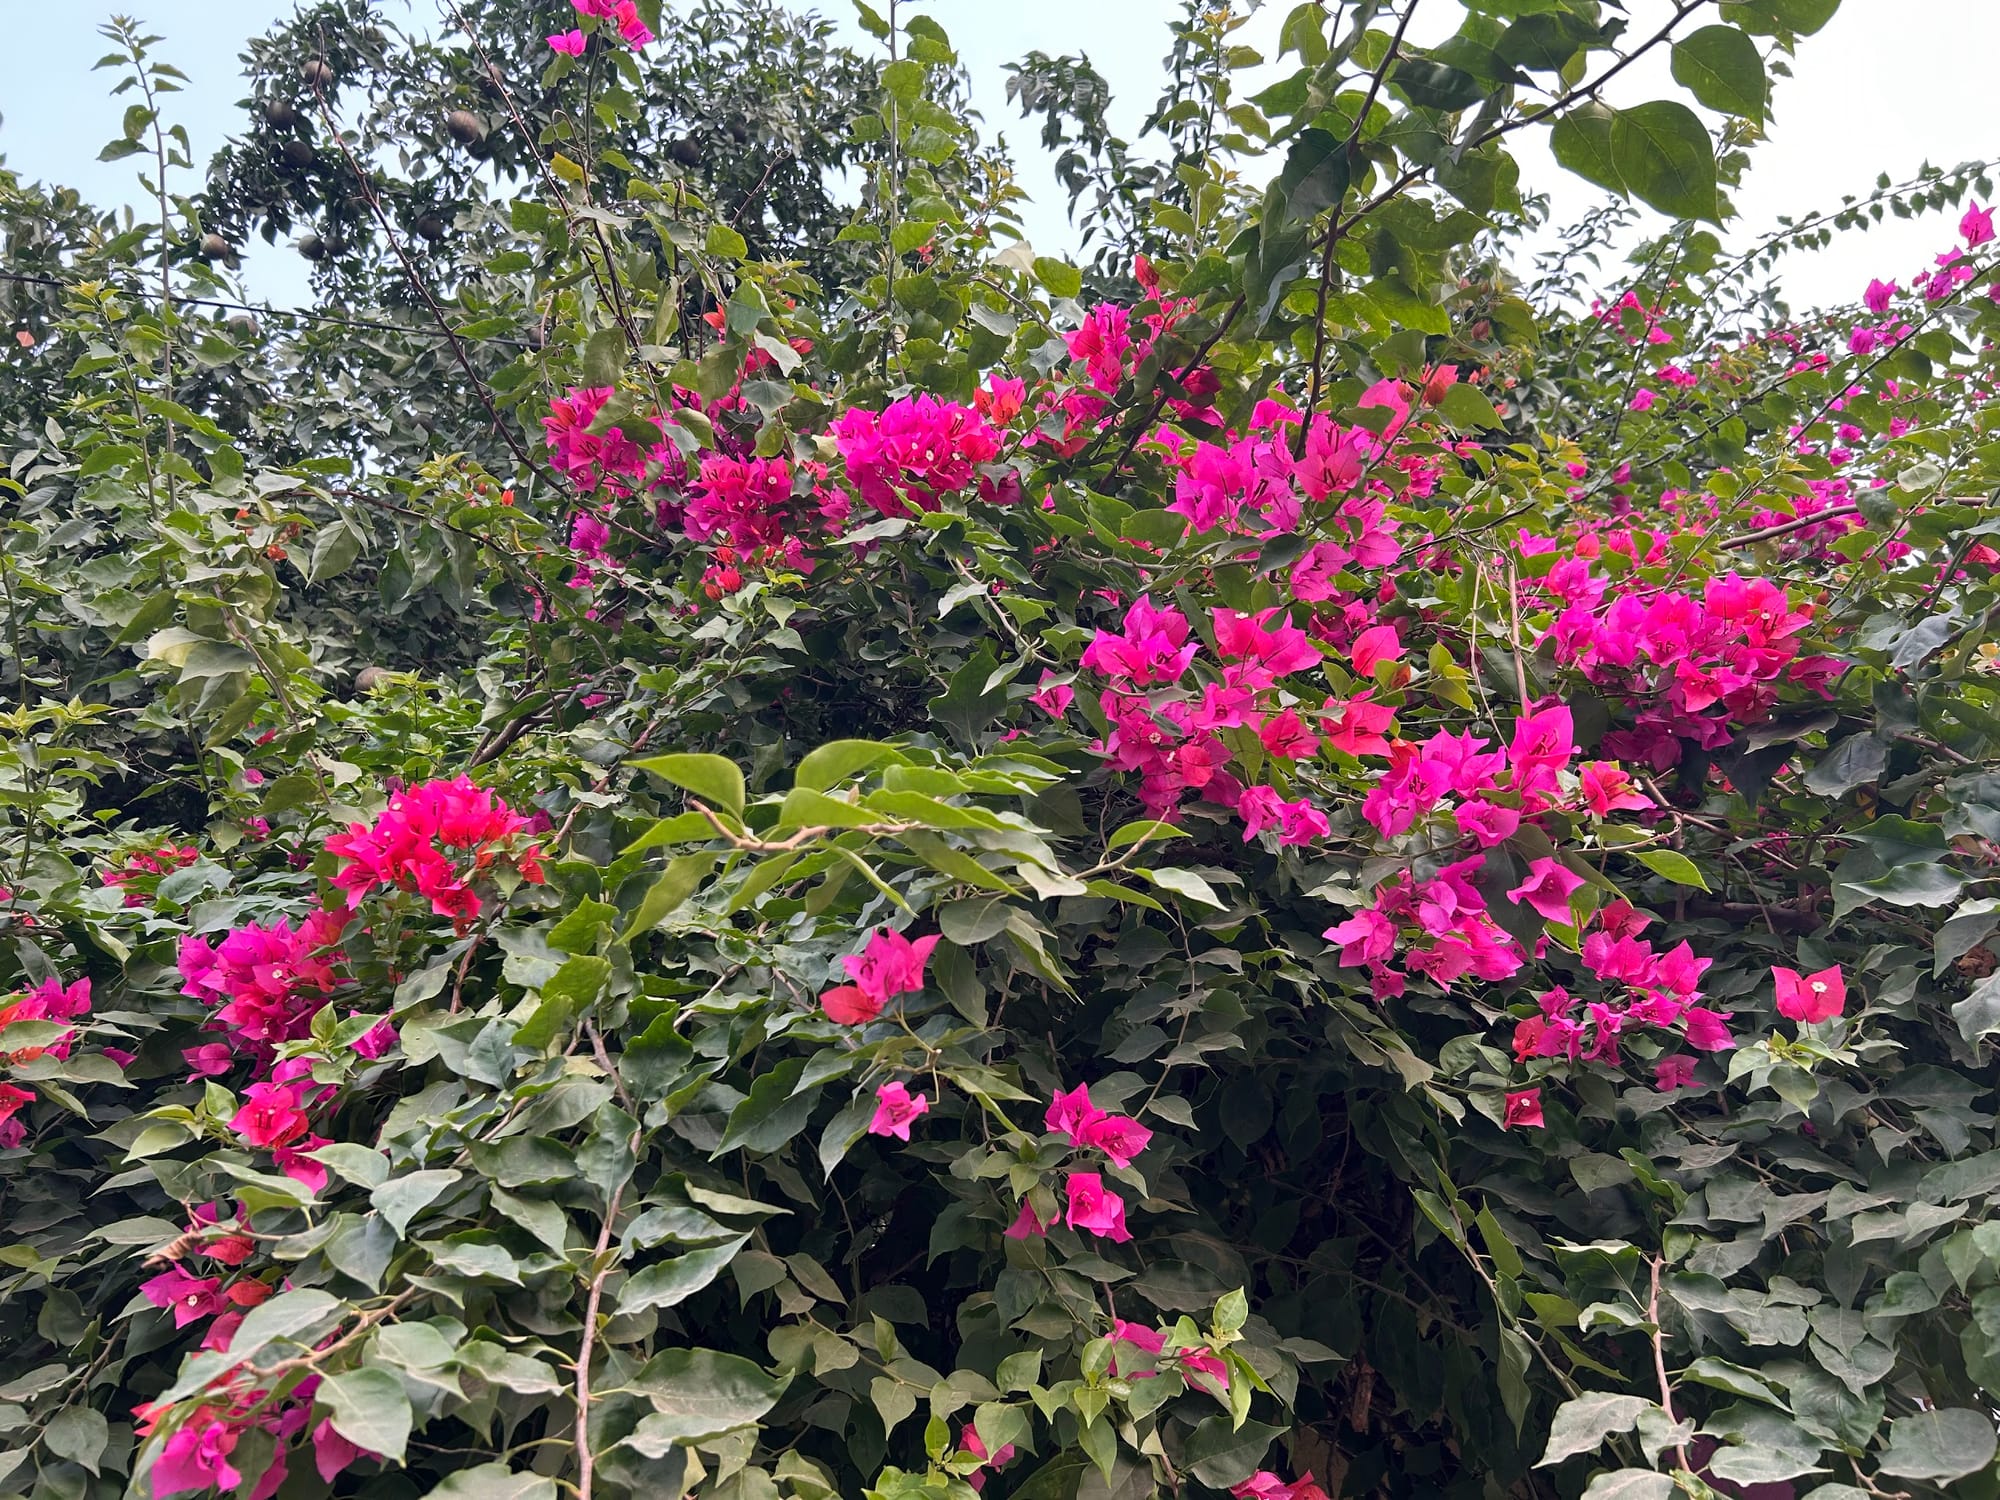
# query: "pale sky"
1887,85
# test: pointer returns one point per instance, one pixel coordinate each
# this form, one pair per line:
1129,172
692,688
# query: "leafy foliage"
1310,871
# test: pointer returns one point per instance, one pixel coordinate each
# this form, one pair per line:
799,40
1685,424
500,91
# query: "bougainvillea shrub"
1296,866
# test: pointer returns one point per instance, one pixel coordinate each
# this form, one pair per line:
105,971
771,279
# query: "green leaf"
683,874
1433,85
370,1409
401,1199
604,357
725,243
1465,407
1664,156
1722,68
1581,141
1060,277
1858,759
1675,866
710,777
696,1394
1185,883
1583,1423
1315,174
1221,1455
285,1316
1143,831
771,1113
1630,1484
493,1482
670,1282
1939,1445
1978,1014
835,761
77,1433
575,985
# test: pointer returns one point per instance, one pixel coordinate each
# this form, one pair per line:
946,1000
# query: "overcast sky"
1888,85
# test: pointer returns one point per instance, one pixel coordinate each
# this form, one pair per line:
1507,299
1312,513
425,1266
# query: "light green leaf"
1939,1445
710,777
1583,1423
699,1393
401,1199
369,1409
667,1283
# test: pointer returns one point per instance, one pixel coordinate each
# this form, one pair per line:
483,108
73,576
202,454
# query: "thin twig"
1786,528
1660,1361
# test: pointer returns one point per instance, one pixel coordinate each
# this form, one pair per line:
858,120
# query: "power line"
301,314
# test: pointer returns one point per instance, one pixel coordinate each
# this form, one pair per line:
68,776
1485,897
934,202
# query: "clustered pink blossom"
264,982
890,965
1699,665
1090,1206
623,14
1172,739
436,840
913,452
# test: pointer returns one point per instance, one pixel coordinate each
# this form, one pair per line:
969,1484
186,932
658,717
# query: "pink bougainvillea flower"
891,964
849,1005
1524,1108
1707,1030
1642,400
1357,728
1094,1208
376,1040
969,1441
190,1297
12,1097
1053,697
1375,645
1366,937
1027,1224
1878,296
1299,822
1153,649
1264,1485
1276,651
896,1108
1118,1136
209,1060
270,1115
1812,998
1976,228
295,1163
196,1457
1285,736
333,1453
1071,1114
634,30
1675,1072
1607,788
1547,889
571,42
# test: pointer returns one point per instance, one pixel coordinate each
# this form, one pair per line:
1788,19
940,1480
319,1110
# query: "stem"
1660,1361
603,1270
1786,528
1333,234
